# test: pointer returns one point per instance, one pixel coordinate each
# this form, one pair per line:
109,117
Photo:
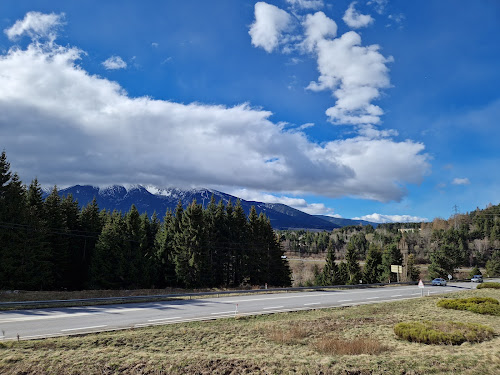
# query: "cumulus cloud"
297,203
36,25
461,181
114,63
306,4
356,20
355,75
379,218
317,27
66,126
269,25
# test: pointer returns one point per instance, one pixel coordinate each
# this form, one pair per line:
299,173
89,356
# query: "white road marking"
159,320
373,297
28,318
345,300
81,328
312,303
224,312
273,307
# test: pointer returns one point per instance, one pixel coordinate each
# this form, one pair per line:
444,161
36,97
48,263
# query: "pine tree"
353,268
238,229
330,274
343,273
165,251
109,265
91,223
57,240
71,218
390,256
373,265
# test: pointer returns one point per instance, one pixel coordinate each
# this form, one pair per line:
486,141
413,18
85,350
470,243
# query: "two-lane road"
39,323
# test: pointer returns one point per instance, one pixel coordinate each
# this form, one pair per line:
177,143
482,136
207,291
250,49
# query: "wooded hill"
52,243
471,239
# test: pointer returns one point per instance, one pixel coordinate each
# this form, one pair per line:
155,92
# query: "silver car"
477,279
439,281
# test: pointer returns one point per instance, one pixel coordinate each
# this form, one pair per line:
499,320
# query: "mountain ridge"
150,199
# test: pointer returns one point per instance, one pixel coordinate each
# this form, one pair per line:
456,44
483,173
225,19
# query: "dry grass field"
348,340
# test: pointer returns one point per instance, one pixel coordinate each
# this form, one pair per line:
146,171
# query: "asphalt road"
41,323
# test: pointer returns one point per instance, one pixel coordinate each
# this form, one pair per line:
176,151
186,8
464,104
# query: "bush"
488,306
442,333
489,285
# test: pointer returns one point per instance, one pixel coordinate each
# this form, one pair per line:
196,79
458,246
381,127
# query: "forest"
442,246
53,244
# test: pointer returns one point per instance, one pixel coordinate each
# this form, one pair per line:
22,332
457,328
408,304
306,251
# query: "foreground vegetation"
350,340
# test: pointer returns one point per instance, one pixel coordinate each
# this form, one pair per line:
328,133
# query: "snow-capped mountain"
152,199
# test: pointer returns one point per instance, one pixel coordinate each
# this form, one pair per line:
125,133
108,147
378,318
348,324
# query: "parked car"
439,281
477,279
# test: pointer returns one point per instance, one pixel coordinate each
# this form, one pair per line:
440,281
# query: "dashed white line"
373,297
224,312
397,295
273,307
81,328
158,320
345,300
312,303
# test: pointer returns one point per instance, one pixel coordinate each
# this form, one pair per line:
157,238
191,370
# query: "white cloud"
155,45
461,181
114,63
356,20
379,5
297,203
36,25
306,126
66,126
355,75
306,4
379,218
270,23
317,27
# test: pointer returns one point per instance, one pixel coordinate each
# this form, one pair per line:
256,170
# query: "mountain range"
151,199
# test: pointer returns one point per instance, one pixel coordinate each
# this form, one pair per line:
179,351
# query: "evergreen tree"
444,261
330,274
57,240
390,256
71,218
343,273
165,251
109,264
493,265
238,229
373,265
353,268
91,223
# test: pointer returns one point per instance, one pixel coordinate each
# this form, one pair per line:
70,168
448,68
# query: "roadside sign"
450,277
396,268
421,284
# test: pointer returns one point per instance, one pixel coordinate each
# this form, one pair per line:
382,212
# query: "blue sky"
386,110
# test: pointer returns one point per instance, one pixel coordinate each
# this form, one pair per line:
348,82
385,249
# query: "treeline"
468,240
54,244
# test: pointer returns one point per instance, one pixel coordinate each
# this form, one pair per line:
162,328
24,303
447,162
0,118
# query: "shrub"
340,346
447,333
488,306
489,285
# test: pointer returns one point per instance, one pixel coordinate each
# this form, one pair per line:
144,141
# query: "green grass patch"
489,285
443,333
484,305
